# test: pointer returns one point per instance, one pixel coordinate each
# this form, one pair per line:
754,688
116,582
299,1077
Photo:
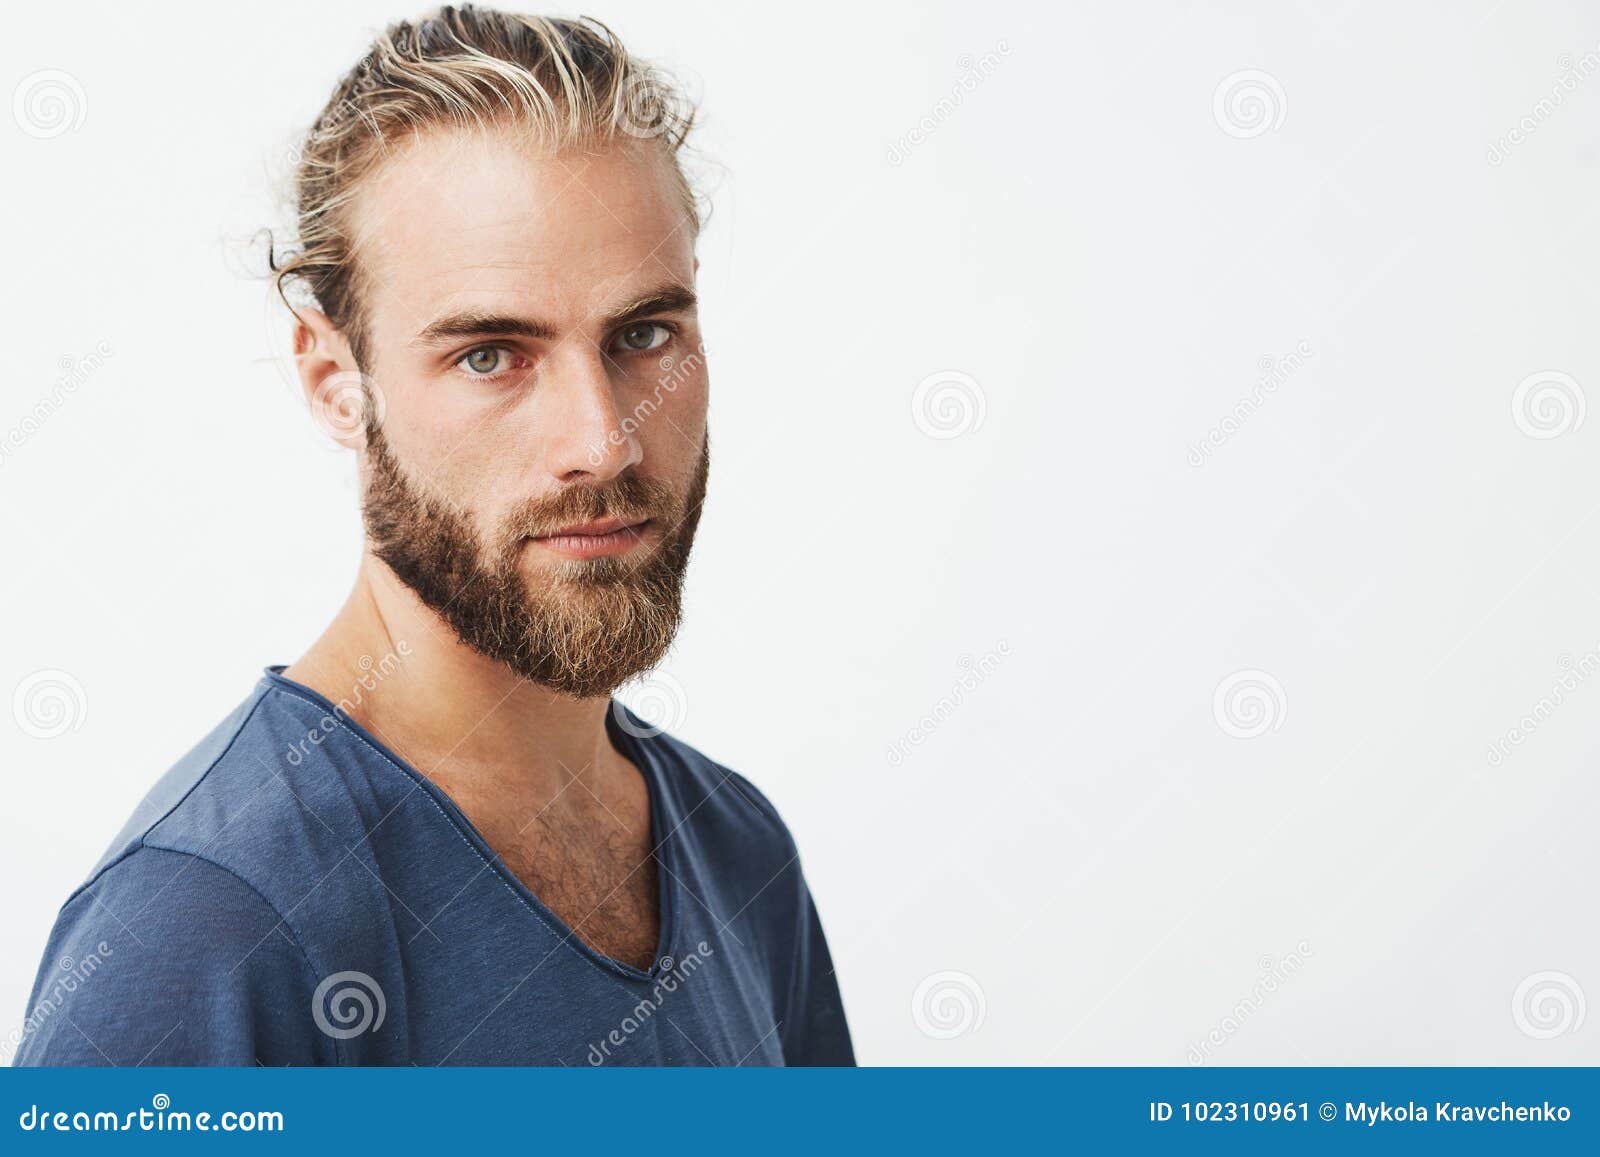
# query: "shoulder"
213,911
745,862
194,908
275,796
167,958
729,817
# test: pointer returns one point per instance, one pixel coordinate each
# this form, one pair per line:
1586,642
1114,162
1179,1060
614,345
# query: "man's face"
537,455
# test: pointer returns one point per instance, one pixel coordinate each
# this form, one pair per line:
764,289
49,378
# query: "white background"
1110,256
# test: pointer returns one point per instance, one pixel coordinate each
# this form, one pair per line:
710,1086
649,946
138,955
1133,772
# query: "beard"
584,627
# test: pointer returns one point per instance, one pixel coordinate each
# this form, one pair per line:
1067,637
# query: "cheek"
671,437
485,487
419,425
471,472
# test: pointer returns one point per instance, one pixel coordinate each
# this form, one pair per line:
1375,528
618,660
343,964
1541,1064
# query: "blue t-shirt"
293,892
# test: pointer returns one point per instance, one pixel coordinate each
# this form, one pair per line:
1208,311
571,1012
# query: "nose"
587,438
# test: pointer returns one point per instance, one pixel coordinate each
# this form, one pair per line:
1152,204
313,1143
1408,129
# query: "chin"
541,577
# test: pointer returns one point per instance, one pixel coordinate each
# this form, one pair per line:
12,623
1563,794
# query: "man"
436,839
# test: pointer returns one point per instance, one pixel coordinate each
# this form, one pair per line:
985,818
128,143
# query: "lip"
599,539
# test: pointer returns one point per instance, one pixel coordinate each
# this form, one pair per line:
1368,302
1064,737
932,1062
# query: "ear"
336,391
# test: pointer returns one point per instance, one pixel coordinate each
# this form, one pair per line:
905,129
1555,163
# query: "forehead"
487,219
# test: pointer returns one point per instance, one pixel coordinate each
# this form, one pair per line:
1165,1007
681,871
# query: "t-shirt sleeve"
815,1031
169,959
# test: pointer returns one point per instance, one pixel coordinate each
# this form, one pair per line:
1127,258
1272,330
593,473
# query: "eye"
485,361
642,337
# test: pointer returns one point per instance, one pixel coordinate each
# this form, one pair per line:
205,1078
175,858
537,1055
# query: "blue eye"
643,337
483,361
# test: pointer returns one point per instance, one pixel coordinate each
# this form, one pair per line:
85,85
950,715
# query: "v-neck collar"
627,742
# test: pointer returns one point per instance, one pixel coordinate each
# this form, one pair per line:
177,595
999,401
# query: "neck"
456,715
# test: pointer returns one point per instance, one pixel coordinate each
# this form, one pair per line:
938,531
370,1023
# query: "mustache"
627,497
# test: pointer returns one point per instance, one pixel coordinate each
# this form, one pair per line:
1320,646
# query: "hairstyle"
565,83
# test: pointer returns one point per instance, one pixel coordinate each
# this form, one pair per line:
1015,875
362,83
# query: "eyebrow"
671,298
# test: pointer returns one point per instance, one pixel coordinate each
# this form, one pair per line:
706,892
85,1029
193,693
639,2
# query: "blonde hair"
566,83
